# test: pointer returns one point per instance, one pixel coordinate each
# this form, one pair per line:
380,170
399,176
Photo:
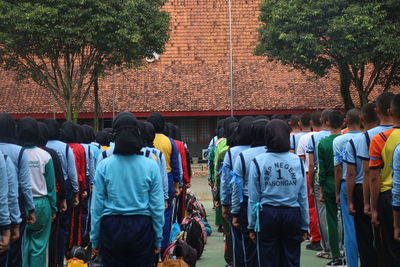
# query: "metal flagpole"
230,54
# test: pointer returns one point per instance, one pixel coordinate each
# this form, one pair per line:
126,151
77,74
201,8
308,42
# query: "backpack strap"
257,168
147,153
302,166
5,157
66,151
230,157
21,153
104,153
294,143
367,139
243,164
313,141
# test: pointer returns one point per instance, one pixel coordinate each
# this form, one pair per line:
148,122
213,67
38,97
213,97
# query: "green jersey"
326,169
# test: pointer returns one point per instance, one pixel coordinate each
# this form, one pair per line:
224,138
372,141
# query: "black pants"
364,230
391,247
280,237
127,241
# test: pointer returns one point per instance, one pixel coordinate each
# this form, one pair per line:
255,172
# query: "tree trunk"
96,105
345,82
69,110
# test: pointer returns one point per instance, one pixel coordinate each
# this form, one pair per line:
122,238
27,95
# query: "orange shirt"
376,148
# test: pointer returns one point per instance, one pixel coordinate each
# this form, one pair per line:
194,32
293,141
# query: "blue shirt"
89,156
226,175
241,169
277,179
13,204
396,179
22,170
363,146
4,200
339,150
96,152
350,157
294,140
314,140
67,162
127,185
158,156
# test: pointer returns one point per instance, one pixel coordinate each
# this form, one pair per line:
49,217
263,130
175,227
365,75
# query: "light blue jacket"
67,162
241,171
89,156
396,179
314,140
339,150
363,146
13,204
4,197
277,179
162,165
227,173
127,185
22,169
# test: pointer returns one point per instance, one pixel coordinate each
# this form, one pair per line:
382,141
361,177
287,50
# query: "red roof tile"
193,73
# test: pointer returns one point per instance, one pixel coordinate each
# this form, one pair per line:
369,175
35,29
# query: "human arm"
97,205
254,194
350,185
162,164
303,202
24,181
72,171
51,185
396,193
156,206
366,187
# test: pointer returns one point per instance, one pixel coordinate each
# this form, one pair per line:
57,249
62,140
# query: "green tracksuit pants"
332,219
38,234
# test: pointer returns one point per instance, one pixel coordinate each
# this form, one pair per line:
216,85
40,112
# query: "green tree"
358,38
64,46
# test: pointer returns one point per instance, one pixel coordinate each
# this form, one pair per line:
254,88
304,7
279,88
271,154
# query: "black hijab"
28,132
143,132
244,131
258,132
102,138
127,134
8,133
232,134
226,124
88,134
277,136
150,133
43,134
158,122
53,129
68,132
78,133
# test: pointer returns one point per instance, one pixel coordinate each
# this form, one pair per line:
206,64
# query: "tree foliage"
359,38
66,45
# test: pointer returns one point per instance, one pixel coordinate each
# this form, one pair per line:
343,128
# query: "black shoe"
316,246
336,262
220,230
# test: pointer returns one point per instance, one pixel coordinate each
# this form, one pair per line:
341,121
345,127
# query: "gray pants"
322,222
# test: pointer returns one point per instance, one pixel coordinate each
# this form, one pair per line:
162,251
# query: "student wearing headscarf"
17,154
168,147
5,221
103,138
229,127
128,201
60,189
70,175
73,138
147,134
41,170
240,192
89,139
278,200
228,178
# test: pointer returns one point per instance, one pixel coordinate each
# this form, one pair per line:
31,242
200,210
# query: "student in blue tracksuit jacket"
67,159
5,221
17,154
128,201
278,200
243,137
240,192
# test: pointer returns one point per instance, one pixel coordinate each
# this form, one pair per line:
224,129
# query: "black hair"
395,106
353,116
294,120
316,118
383,102
336,119
258,132
305,119
325,114
369,114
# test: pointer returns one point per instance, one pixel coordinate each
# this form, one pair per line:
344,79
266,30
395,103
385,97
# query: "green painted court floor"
213,253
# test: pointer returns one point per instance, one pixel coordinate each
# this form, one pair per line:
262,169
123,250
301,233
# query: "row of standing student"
49,187
340,172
